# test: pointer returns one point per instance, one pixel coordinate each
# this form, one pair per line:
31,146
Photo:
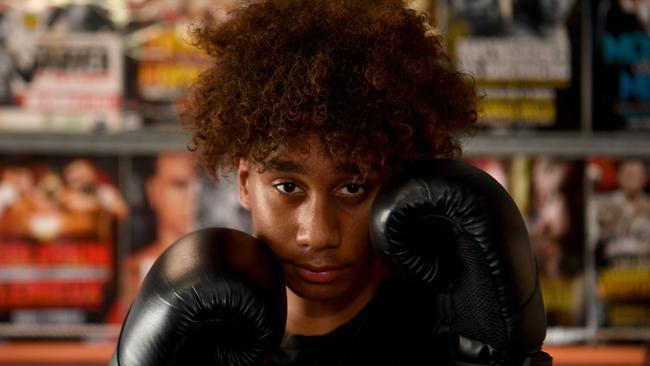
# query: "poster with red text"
58,234
61,68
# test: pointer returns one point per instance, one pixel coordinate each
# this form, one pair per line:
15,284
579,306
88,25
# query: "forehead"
309,155
633,165
174,164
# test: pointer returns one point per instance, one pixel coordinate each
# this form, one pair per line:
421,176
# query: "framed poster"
61,69
549,194
524,56
58,239
621,75
169,196
621,215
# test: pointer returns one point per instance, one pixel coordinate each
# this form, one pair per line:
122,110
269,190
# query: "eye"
352,190
287,188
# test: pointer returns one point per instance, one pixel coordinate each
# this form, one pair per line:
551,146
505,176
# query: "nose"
318,224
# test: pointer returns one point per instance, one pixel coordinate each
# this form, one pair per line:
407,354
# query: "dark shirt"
394,328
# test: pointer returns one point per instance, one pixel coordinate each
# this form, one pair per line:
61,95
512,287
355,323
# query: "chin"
318,292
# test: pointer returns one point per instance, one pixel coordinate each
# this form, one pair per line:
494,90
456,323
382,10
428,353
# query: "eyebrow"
348,168
285,166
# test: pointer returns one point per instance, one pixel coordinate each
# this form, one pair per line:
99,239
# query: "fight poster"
621,65
549,194
427,7
524,57
61,68
621,226
58,238
170,196
161,60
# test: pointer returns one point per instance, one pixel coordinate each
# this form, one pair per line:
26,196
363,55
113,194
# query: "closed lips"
318,275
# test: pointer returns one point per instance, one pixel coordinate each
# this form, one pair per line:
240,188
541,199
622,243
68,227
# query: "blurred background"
96,179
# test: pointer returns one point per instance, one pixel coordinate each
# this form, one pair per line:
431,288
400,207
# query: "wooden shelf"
149,141
566,144
608,355
125,143
56,353
90,354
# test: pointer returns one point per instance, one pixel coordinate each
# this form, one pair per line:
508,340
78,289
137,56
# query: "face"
79,175
632,177
314,216
172,190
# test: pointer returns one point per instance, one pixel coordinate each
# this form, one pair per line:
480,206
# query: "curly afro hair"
370,77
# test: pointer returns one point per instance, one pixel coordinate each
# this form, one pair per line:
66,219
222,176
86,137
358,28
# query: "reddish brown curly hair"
370,77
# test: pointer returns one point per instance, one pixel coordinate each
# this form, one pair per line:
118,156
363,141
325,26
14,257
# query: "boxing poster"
59,221
549,194
621,225
61,68
170,196
161,59
524,57
621,65
427,7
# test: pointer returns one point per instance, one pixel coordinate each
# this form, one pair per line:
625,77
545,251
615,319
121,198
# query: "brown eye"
287,187
352,190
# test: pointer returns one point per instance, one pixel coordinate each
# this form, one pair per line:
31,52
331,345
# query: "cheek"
272,222
355,231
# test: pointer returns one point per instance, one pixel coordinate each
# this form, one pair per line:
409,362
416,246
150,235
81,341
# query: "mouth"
318,274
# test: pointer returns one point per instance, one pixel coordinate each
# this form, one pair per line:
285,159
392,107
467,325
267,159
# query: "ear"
243,172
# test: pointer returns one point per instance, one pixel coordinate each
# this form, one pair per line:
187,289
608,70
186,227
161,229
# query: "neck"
318,317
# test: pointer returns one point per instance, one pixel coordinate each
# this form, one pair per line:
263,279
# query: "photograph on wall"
621,214
549,194
169,196
59,221
524,56
621,65
61,68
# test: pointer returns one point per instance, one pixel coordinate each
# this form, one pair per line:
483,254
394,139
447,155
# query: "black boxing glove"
452,228
215,297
